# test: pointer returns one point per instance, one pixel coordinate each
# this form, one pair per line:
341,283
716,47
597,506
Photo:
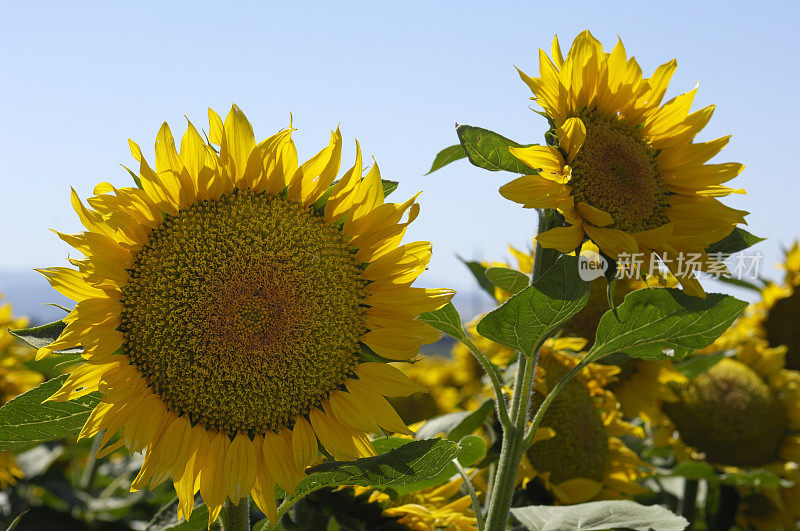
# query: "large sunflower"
227,306
585,459
625,172
15,379
743,413
774,317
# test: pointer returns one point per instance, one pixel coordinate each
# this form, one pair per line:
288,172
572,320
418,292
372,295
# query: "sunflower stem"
511,451
476,504
514,436
236,517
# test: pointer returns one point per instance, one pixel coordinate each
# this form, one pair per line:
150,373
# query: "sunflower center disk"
580,446
244,312
781,327
615,172
729,413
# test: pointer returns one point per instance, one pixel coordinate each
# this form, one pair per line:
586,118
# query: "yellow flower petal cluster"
15,379
774,317
225,304
626,172
429,509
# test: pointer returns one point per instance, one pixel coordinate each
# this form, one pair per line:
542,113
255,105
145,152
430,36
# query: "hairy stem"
236,517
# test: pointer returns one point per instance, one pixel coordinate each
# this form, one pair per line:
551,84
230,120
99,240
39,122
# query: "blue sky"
80,79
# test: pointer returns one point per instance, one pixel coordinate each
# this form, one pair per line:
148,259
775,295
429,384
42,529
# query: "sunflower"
743,413
429,509
626,172
15,379
585,459
774,317
238,307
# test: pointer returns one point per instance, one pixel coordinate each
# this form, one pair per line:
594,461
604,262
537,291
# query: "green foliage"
657,323
736,241
446,156
697,365
599,515
507,279
445,319
489,150
471,449
456,425
26,420
41,336
478,270
407,464
528,318
756,478
388,187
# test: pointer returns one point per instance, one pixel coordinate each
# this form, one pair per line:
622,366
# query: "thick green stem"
514,446
236,517
512,450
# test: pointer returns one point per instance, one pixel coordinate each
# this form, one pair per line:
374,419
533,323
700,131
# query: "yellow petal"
383,413
304,443
535,191
386,380
612,241
352,412
70,283
593,215
237,144
571,135
564,239
547,160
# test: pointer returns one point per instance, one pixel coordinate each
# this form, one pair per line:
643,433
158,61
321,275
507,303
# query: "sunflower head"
625,171
237,307
730,414
583,457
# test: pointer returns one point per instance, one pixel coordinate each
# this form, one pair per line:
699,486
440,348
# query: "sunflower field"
247,348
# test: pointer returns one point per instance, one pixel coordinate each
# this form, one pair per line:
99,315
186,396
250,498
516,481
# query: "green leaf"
41,336
446,156
445,319
488,150
525,320
471,422
410,463
508,279
26,421
167,519
694,367
471,449
388,187
478,270
758,478
599,515
694,470
457,425
657,323
736,241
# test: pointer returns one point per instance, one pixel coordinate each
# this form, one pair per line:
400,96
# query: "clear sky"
77,80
